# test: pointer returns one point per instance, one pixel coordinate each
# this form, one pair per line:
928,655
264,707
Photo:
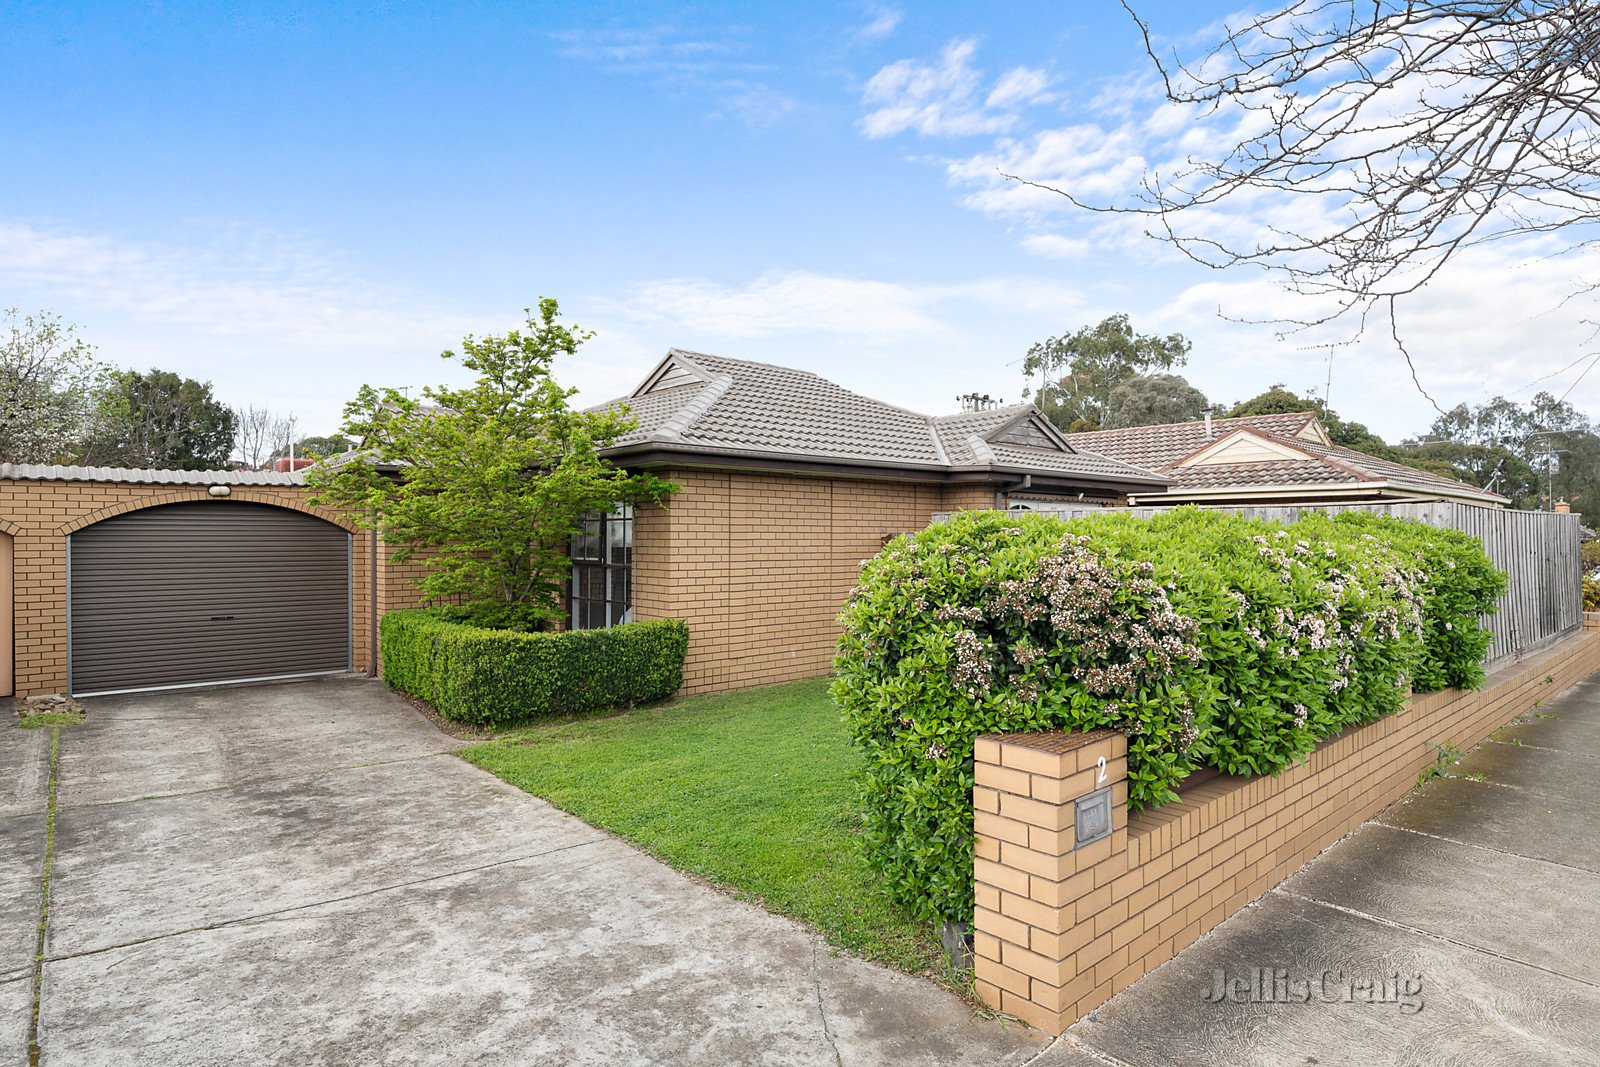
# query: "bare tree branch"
1373,141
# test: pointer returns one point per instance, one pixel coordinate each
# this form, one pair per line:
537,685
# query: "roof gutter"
1024,484
1361,489
660,454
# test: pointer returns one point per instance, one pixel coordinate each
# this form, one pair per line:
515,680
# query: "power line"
1581,377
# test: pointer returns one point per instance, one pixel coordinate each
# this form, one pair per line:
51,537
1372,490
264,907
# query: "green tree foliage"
162,420
1207,638
315,448
1080,370
1154,399
49,382
1510,445
487,482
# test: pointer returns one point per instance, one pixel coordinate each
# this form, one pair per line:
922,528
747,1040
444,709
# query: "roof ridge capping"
685,417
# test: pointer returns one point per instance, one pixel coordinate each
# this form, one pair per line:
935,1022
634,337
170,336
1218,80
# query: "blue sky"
290,200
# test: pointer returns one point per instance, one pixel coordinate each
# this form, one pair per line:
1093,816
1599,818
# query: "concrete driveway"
302,873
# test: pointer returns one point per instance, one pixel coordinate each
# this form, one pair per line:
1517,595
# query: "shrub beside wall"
1209,639
495,677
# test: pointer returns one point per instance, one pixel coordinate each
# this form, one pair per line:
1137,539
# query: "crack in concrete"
822,1012
1445,938
35,1052
1547,748
1093,1052
1486,848
250,782
278,914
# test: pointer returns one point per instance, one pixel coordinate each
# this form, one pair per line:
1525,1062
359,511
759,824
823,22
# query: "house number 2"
1101,764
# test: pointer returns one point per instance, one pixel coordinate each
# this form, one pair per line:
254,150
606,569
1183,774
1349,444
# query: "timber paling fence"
1538,550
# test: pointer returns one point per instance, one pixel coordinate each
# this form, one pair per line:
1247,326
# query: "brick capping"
1060,928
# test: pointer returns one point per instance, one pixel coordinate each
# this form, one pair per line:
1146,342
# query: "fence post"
1051,823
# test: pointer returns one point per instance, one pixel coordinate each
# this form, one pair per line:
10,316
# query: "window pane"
589,583
586,545
619,541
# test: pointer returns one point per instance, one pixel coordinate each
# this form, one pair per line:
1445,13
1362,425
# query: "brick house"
789,482
114,580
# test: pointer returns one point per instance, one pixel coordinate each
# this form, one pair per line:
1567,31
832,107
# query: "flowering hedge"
1210,639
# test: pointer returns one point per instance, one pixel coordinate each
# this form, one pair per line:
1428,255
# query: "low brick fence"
1061,926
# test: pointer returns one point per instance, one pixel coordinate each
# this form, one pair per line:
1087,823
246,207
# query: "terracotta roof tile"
1163,447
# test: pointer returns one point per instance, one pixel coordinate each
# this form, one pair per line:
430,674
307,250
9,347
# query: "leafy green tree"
1485,466
315,447
49,381
1079,371
162,420
1154,399
487,483
1543,446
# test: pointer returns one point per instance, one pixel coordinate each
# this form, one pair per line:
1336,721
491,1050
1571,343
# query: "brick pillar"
1049,925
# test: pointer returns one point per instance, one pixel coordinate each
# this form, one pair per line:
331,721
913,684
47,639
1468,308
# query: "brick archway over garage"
41,506
235,496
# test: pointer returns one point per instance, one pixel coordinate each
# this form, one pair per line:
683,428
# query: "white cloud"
864,333
268,318
803,302
237,282
942,99
885,20
707,64
1056,246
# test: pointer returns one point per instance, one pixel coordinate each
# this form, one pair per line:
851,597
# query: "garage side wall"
761,564
43,513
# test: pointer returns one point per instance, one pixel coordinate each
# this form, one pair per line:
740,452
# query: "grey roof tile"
739,407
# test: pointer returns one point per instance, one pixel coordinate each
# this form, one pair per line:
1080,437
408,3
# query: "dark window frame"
600,590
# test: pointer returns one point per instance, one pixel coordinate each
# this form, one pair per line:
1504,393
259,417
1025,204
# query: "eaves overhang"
648,454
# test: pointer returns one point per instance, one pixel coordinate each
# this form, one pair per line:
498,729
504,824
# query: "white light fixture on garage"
220,490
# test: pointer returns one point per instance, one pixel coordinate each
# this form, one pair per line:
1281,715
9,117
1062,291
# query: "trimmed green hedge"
495,677
1209,639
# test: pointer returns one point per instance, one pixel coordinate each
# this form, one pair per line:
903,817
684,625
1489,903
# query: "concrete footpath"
1462,926
305,874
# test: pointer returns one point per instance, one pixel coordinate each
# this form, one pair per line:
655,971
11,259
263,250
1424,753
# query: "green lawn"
749,790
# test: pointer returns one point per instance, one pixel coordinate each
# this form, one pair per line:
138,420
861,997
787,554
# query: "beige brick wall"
761,564
40,514
1058,931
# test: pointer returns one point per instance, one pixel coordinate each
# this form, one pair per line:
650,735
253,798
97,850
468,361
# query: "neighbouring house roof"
55,473
694,404
1265,453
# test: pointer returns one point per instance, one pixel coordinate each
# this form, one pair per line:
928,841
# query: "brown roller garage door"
196,594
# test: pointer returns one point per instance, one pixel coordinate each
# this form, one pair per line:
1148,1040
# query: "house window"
602,570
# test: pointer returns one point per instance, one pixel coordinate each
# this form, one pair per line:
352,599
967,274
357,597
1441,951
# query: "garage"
206,593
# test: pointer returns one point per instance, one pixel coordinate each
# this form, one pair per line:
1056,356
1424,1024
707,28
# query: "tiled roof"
55,473
1164,447
1160,446
718,406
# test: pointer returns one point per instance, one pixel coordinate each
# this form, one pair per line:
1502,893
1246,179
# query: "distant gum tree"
1079,371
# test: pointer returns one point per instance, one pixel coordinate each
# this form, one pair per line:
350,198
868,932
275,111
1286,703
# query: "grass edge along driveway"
751,791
